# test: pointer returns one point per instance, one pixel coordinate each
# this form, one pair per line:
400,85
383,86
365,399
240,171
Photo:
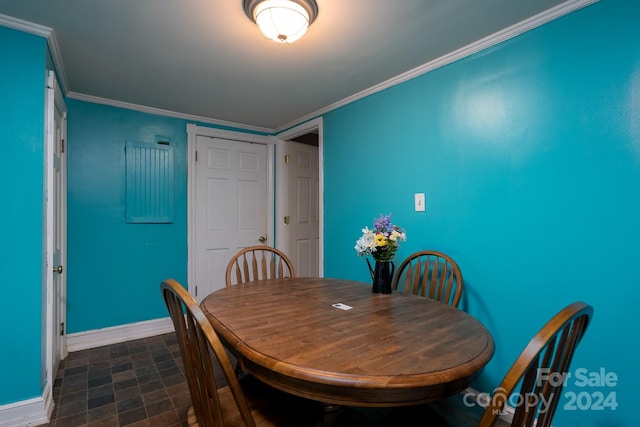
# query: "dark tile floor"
140,383
136,383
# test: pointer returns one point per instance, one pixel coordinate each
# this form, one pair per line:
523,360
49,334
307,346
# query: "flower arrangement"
383,241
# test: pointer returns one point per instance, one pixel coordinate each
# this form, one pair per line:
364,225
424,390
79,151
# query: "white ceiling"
206,59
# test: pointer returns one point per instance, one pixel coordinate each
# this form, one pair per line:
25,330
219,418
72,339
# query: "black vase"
382,274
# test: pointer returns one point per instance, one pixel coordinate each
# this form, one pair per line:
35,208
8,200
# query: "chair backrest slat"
258,263
430,274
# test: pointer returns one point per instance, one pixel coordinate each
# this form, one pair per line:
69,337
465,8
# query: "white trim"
57,62
192,136
468,50
271,191
161,112
282,197
48,231
40,31
29,412
117,334
25,26
49,34
282,202
193,131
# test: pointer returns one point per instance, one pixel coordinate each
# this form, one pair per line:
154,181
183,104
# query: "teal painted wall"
529,156
115,268
22,89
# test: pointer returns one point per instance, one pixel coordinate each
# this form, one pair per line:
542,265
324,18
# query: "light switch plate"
419,201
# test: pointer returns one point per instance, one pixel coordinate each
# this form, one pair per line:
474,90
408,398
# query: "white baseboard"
30,412
117,334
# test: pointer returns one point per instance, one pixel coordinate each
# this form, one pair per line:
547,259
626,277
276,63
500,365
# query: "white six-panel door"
230,206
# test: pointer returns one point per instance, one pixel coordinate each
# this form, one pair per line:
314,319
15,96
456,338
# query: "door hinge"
62,145
196,291
196,156
287,159
287,219
61,328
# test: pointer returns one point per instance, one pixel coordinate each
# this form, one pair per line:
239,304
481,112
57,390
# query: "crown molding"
161,112
45,32
465,51
49,34
25,26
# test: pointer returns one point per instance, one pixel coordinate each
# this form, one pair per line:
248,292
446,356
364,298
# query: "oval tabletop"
382,350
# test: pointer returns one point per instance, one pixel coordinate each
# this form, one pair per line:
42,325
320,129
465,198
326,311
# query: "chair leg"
191,417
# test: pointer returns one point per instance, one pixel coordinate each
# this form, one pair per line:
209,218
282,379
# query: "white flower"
366,243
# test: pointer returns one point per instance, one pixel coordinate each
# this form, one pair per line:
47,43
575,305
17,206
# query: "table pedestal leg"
345,416
333,415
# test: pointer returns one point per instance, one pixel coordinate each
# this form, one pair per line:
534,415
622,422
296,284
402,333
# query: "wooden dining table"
336,342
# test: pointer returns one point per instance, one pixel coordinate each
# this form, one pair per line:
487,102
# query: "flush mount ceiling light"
283,21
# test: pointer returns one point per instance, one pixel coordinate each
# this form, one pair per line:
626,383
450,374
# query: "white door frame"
282,182
193,131
53,99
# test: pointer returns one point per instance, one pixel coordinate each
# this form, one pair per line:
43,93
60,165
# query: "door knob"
58,269
262,239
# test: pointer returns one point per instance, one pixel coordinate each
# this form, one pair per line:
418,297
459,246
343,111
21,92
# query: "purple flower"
383,224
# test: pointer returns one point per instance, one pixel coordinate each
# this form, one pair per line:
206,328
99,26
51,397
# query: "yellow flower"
381,240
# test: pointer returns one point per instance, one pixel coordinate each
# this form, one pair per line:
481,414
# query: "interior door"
56,226
230,206
59,234
304,234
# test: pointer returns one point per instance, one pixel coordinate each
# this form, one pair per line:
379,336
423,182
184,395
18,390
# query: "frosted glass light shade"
283,21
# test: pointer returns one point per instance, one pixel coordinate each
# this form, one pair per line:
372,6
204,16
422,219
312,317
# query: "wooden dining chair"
223,400
430,274
258,263
538,372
